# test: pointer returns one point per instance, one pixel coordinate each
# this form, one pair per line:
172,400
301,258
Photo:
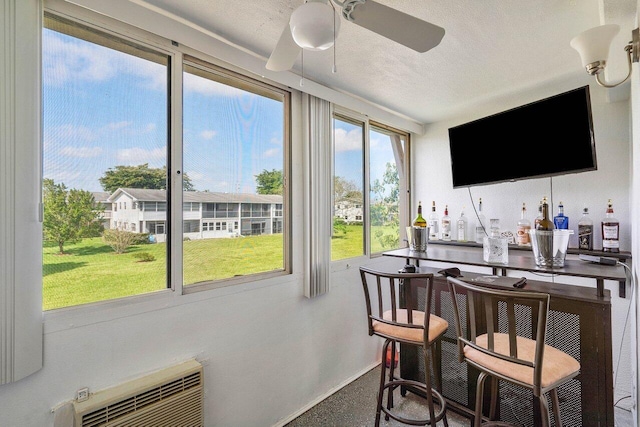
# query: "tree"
141,176
344,190
69,215
270,182
384,211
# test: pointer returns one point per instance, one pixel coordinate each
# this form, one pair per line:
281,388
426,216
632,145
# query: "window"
234,150
348,188
104,112
386,207
388,186
235,143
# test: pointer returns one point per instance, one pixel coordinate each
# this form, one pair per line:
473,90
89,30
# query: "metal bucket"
418,238
550,247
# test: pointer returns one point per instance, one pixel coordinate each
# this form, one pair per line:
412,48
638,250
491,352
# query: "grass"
90,271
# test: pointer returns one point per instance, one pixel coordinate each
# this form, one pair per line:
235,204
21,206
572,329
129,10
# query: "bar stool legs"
390,383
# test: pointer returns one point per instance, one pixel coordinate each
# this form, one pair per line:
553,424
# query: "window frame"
179,55
404,209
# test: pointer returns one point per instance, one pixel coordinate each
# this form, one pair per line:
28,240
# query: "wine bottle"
522,233
419,221
610,231
545,224
462,227
433,223
481,224
561,221
539,217
445,231
585,231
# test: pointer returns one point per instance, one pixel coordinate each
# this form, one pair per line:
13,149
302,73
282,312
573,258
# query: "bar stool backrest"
483,305
382,293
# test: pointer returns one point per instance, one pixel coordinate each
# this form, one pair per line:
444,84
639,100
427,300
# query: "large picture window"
108,207
104,166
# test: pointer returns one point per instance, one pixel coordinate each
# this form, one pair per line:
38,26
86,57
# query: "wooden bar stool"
387,319
494,346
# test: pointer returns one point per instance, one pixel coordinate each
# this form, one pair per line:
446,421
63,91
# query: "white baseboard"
322,397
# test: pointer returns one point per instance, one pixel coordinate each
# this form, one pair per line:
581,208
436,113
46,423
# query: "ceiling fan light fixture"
312,26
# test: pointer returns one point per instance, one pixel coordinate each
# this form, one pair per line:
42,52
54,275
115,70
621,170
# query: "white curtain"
20,227
318,154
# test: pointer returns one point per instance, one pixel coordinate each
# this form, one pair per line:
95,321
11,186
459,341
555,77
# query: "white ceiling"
491,48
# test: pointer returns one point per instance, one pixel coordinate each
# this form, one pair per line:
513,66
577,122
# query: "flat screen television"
552,136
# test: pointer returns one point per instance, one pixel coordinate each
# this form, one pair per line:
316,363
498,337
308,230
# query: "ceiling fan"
314,26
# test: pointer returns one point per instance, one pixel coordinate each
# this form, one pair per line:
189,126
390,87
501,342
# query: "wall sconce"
593,47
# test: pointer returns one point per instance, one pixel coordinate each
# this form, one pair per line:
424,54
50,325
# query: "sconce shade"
312,26
593,44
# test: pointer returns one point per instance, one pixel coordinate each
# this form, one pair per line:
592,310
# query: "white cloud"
66,59
64,134
348,141
271,152
208,134
136,156
118,125
81,152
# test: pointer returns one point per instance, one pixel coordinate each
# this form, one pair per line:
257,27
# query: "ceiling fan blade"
398,26
285,53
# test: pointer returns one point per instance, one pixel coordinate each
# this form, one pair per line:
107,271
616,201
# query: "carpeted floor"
354,406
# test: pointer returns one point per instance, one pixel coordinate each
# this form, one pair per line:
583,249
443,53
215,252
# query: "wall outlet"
82,394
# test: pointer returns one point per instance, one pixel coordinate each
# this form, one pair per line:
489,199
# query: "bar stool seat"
408,326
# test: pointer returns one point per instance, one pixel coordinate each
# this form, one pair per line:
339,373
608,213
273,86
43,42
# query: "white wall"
432,181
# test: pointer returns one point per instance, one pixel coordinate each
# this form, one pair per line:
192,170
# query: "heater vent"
171,397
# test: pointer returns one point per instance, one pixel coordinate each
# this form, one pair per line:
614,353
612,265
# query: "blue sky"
103,108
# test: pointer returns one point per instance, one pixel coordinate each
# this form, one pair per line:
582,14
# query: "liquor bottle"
522,234
539,217
419,221
495,248
433,223
462,227
545,224
585,231
561,221
610,231
481,224
445,231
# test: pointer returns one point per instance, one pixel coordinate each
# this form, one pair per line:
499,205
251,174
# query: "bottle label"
446,229
610,232
522,235
585,236
462,231
433,229
561,222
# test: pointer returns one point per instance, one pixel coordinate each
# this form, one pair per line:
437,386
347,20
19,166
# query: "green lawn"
90,271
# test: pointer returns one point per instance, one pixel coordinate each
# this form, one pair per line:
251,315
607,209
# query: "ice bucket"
417,237
550,247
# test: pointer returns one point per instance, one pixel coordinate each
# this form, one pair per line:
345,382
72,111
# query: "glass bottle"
545,224
539,217
561,221
481,224
419,221
433,223
495,248
585,231
462,227
445,231
522,234
610,231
